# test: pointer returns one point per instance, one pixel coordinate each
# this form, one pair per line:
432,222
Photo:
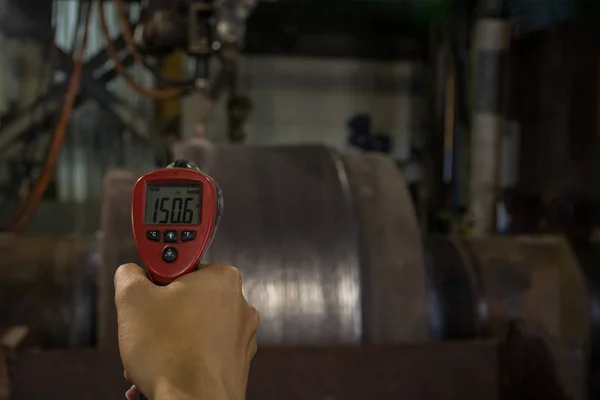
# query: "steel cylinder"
543,286
483,285
330,251
328,243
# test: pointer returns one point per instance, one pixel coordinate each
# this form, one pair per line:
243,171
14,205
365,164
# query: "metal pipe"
491,45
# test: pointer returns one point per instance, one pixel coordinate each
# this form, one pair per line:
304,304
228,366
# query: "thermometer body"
174,214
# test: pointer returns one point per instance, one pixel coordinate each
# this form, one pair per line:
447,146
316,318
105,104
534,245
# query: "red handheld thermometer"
174,213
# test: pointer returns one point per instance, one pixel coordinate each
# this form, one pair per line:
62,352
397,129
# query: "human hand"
192,339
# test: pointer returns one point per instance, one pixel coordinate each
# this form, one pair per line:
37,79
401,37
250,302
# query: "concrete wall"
308,100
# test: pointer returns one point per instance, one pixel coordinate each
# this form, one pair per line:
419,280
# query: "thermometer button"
170,236
153,235
186,236
169,254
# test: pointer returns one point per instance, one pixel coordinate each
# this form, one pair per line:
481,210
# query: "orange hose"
126,31
112,54
30,204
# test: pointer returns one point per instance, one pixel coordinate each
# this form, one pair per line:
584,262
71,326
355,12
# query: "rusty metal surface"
412,371
393,276
290,225
422,371
536,279
38,276
486,285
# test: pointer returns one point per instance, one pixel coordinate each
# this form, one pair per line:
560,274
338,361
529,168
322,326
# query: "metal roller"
48,285
395,298
314,234
588,254
487,286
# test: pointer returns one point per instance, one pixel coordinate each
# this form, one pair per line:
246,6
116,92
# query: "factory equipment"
294,218
371,283
346,267
328,244
204,29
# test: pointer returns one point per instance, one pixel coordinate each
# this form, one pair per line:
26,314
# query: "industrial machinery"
356,301
491,317
205,30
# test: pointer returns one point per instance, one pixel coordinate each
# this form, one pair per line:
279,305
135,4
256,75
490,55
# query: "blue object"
360,135
360,130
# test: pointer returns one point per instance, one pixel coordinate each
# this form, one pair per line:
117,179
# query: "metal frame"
91,87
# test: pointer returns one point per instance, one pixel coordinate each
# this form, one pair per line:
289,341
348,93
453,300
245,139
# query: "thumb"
127,278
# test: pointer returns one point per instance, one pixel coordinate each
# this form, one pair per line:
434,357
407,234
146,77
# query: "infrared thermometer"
174,214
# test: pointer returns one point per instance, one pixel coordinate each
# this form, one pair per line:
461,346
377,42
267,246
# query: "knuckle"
120,274
254,317
253,349
126,285
233,276
231,272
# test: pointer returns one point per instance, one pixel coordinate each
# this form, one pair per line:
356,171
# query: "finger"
217,269
252,348
133,393
129,276
254,319
210,272
126,377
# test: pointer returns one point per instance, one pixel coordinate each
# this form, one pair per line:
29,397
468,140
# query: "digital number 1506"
176,211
